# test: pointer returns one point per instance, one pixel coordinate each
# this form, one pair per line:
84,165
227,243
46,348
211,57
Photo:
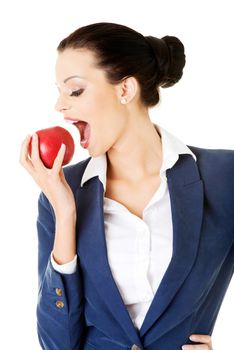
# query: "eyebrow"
73,76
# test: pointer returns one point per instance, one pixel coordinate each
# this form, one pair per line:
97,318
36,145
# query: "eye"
77,92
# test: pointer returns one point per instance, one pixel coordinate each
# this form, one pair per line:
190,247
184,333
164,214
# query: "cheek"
104,100
102,112
88,108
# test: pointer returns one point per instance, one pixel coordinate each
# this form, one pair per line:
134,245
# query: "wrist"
68,261
65,215
64,248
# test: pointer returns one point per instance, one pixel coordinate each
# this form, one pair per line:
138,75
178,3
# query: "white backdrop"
198,110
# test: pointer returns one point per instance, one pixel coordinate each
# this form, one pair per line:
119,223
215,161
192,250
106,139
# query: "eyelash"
77,92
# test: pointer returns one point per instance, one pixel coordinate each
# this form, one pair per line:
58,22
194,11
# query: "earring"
123,100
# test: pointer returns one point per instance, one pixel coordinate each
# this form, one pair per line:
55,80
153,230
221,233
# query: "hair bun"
170,58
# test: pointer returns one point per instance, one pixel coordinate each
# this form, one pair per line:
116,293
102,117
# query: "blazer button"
59,304
135,347
59,291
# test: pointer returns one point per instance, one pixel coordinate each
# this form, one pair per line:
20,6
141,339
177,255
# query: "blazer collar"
172,147
186,194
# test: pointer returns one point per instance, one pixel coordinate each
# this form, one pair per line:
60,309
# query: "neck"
137,154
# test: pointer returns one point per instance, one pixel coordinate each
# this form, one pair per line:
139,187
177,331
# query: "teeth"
71,121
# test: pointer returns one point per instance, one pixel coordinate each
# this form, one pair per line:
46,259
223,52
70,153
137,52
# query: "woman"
136,241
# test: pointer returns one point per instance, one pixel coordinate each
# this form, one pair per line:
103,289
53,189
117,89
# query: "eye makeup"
77,92
70,87
70,91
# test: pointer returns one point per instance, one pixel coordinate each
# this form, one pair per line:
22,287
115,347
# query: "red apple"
50,141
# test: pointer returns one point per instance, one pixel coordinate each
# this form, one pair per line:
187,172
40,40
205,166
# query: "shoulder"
214,161
216,168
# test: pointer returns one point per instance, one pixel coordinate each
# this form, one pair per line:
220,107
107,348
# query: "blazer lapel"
92,252
186,196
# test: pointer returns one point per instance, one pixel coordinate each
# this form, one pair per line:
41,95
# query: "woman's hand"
54,185
199,338
51,181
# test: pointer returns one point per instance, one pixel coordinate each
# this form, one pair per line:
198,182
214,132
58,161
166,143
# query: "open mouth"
84,129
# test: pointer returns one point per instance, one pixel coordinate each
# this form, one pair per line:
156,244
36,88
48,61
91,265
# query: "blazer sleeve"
60,320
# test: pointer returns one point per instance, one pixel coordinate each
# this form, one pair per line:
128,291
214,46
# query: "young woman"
136,241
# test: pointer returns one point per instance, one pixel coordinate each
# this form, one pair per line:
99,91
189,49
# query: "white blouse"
139,250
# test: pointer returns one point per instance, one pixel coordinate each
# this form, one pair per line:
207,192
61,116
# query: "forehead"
79,62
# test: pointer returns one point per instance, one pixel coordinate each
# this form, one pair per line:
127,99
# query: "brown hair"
122,52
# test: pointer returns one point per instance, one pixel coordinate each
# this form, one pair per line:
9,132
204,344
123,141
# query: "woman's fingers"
24,159
46,178
199,338
51,181
35,155
59,159
32,162
202,338
37,162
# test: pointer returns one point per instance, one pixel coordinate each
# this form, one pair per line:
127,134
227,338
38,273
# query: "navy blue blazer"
85,310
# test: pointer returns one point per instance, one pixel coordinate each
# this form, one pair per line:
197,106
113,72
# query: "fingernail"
192,337
34,136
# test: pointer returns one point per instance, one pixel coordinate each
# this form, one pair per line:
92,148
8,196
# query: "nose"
61,105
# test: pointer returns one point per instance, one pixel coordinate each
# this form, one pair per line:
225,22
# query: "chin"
94,153
97,152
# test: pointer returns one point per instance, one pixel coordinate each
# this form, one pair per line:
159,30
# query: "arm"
60,307
59,310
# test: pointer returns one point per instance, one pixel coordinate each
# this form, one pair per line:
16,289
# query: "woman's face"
85,94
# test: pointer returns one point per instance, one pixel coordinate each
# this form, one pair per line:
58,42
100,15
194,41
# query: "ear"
127,89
